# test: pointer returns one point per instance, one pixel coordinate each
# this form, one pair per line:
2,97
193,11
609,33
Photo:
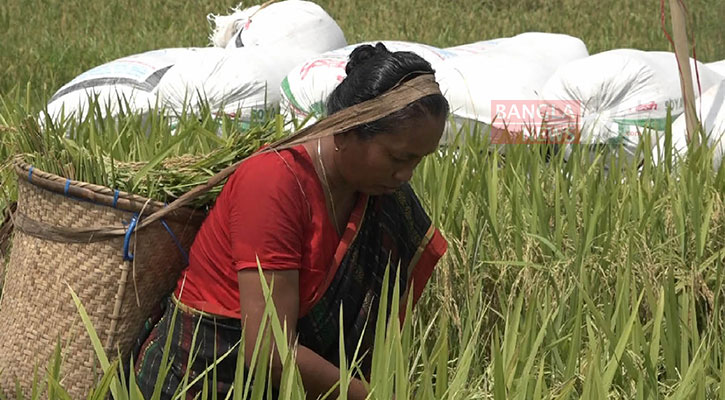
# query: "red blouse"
271,208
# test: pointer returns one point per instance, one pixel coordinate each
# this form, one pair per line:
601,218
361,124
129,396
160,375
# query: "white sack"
307,85
286,24
717,66
474,48
229,80
515,70
128,81
711,112
229,26
621,92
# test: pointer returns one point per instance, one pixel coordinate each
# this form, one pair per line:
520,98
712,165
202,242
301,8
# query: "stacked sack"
623,94
469,49
127,84
711,114
278,26
717,66
257,46
306,87
511,75
470,75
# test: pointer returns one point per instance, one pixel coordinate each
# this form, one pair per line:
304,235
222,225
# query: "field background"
46,43
562,280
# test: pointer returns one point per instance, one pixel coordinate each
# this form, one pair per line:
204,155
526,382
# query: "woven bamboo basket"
6,227
72,234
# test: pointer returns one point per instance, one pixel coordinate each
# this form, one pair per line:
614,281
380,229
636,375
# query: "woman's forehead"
413,137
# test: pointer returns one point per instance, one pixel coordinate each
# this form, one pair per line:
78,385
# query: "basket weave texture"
36,308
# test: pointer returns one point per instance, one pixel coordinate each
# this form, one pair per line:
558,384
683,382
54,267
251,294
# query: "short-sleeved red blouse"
271,208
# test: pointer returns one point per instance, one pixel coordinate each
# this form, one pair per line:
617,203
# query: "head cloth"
395,99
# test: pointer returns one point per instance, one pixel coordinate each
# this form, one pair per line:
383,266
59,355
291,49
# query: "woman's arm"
318,374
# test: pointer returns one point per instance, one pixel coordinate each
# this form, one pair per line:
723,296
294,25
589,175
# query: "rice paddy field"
564,279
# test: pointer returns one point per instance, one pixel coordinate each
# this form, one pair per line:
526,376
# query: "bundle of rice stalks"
151,155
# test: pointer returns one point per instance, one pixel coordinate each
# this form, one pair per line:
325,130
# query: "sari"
390,233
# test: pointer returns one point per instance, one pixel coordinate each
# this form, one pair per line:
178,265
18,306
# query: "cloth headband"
395,99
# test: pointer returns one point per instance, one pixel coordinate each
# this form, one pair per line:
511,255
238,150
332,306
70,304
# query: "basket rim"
98,194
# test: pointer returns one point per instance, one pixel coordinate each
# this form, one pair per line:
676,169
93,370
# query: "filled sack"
305,88
473,48
717,66
280,25
285,33
242,83
711,113
490,90
127,84
623,94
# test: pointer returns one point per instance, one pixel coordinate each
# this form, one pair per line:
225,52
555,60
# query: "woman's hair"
373,70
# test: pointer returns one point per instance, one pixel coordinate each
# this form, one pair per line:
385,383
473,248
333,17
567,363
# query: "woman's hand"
318,374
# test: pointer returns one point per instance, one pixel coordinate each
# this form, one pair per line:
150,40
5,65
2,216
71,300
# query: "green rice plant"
400,375
148,154
593,246
390,377
566,277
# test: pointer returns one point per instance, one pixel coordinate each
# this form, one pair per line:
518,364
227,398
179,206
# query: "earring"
337,148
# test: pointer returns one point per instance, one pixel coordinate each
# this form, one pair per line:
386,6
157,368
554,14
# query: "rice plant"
565,278
156,154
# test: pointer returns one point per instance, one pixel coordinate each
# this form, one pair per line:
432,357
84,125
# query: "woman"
324,219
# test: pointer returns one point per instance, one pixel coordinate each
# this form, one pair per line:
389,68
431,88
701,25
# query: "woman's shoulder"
294,158
287,170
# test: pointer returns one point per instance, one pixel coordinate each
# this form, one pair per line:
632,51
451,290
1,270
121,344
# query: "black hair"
373,70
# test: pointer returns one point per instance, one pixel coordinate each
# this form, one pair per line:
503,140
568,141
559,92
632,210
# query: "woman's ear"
342,140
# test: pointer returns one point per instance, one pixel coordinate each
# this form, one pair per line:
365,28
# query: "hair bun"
363,53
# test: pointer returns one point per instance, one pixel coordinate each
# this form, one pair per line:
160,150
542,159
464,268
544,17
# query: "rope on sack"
262,7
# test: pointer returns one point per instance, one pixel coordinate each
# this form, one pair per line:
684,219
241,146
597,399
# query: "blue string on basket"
176,240
127,238
127,256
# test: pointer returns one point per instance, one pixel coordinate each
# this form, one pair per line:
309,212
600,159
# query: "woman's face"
382,163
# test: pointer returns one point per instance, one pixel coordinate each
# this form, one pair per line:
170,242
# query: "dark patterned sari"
390,230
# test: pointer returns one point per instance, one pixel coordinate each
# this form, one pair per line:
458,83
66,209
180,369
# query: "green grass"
562,280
